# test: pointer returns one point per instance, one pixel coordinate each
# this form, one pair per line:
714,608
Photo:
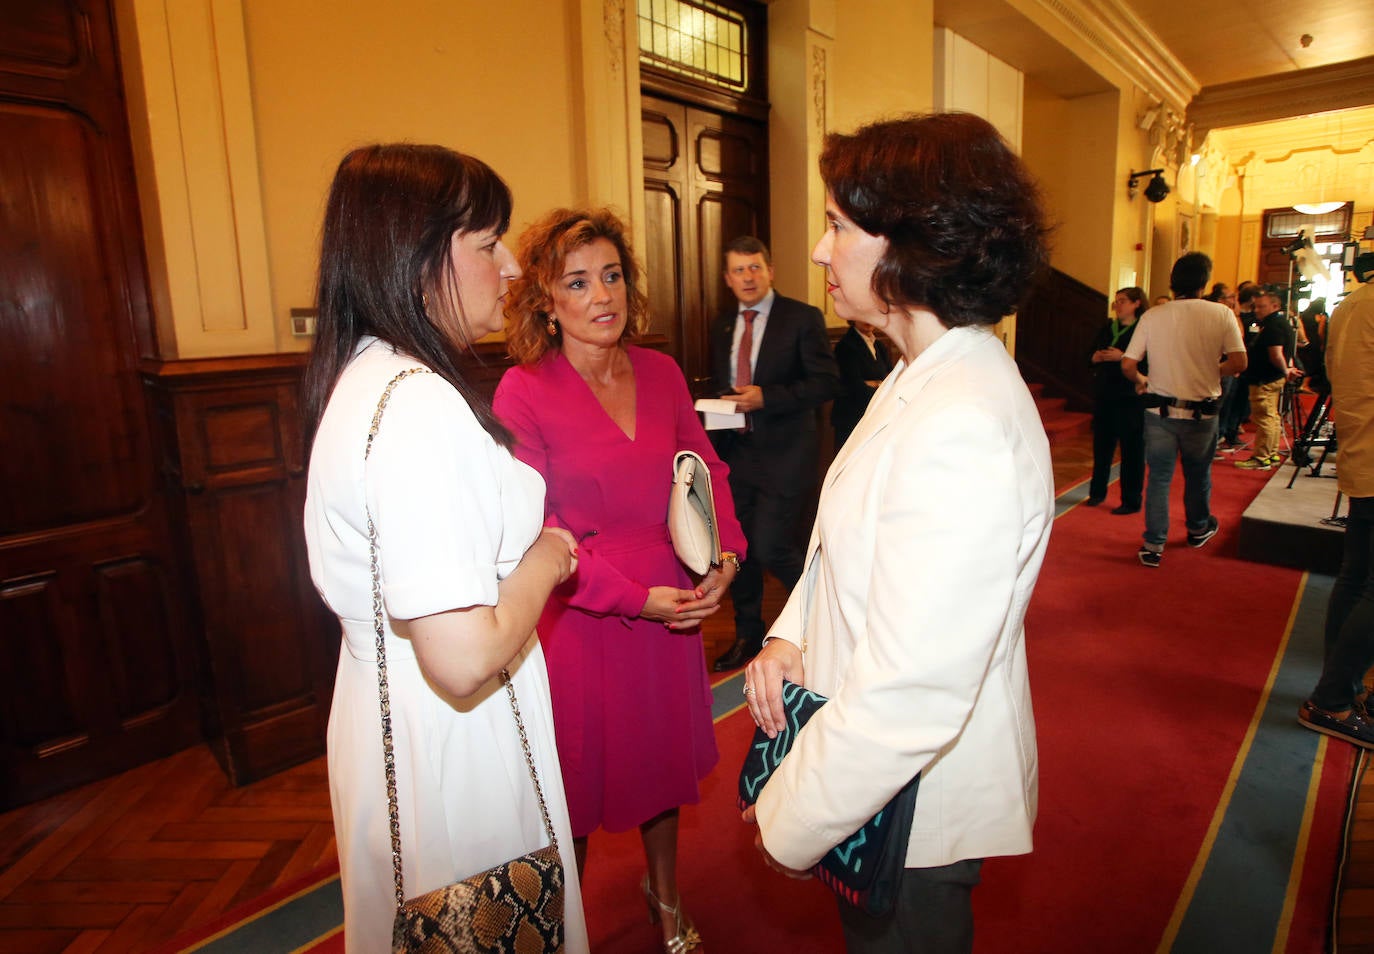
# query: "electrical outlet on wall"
303,322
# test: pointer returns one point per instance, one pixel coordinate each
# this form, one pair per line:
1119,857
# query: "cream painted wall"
499,81
832,67
882,62
970,79
1131,218
1071,147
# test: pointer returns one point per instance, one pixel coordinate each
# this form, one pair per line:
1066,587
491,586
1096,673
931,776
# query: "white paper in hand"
719,414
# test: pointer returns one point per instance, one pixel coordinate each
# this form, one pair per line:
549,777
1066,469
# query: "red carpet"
1148,684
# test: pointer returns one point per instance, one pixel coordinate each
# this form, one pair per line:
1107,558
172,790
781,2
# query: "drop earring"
552,326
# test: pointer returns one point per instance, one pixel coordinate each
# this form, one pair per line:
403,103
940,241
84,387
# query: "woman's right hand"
559,548
664,606
763,678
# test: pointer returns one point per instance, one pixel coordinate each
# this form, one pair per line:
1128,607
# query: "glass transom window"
694,38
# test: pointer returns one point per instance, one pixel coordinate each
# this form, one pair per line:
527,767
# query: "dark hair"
1190,274
1218,291
961,215
1317,307
392,212
748,245
1136,294
1364,267
1247,293
543,252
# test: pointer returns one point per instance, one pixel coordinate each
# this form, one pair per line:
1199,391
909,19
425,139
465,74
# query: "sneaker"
1353,727
1148,557
1274,460
1196,540
1254,463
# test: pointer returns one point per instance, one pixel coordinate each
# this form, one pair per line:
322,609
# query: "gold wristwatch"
728,556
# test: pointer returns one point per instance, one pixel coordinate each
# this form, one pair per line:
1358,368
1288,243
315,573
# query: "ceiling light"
1316,208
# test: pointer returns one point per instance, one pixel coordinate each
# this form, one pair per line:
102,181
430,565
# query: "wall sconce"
1155,190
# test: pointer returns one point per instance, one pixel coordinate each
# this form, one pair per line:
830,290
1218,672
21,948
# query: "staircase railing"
1054,336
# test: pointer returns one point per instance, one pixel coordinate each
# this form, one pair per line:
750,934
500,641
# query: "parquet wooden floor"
124,864
129,862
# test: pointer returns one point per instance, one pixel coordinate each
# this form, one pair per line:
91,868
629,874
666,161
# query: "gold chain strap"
389,754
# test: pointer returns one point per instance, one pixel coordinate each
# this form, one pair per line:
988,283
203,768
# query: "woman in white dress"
412,271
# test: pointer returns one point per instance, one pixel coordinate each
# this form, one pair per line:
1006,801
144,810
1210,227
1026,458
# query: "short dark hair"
1247,293
961,214
748,245
1190,274
1364,267
389,223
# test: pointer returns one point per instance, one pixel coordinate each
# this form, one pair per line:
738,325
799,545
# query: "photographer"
1270,354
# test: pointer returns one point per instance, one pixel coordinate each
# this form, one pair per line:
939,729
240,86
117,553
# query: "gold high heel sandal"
686,939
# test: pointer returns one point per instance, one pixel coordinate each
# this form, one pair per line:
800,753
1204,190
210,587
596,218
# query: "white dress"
454,513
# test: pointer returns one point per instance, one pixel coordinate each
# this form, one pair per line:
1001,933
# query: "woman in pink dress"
602,420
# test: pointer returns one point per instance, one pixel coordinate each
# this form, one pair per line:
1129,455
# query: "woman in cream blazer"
930,532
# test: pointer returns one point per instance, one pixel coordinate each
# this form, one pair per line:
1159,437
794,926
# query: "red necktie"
743,373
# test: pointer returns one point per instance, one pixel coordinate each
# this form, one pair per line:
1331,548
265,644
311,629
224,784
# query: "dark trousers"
771,525
1350,614
1123,423
933,914
1235,403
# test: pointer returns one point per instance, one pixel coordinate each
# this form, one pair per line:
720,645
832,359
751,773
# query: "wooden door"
705,182
96,674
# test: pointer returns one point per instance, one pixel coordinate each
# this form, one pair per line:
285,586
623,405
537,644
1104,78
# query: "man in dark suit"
863,362
771,356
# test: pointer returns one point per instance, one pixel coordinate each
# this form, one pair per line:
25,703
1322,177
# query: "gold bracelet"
728,556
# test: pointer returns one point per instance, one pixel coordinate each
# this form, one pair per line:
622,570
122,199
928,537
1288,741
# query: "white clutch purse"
692,513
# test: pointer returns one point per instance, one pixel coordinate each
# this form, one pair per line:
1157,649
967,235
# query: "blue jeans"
1350,614
1168,439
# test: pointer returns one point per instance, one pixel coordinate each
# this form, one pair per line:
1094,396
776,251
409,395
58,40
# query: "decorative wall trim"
613,21
195,151
1282,96
818,77
1113,30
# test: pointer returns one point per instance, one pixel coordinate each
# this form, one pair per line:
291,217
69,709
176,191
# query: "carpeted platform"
1285,525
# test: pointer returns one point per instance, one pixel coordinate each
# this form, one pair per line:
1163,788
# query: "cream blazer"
931,528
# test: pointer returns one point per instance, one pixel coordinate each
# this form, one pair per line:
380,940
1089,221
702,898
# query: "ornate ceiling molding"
1112,30
1284,95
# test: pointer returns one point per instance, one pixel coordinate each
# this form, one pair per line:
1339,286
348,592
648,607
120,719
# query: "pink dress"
631,699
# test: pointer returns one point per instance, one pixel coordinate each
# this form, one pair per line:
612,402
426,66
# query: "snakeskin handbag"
514,908
864,869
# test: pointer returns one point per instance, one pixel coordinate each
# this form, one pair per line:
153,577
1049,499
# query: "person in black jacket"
863,361
770,355
1117,409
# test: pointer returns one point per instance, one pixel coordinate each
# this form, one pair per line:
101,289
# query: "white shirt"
761,311
1185,340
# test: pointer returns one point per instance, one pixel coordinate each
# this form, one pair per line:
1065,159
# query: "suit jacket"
857,367
797,373
930,532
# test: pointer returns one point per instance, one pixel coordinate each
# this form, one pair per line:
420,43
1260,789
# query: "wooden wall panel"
95,618
1054,336
234,454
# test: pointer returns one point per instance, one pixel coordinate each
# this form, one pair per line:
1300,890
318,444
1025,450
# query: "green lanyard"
1118,329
